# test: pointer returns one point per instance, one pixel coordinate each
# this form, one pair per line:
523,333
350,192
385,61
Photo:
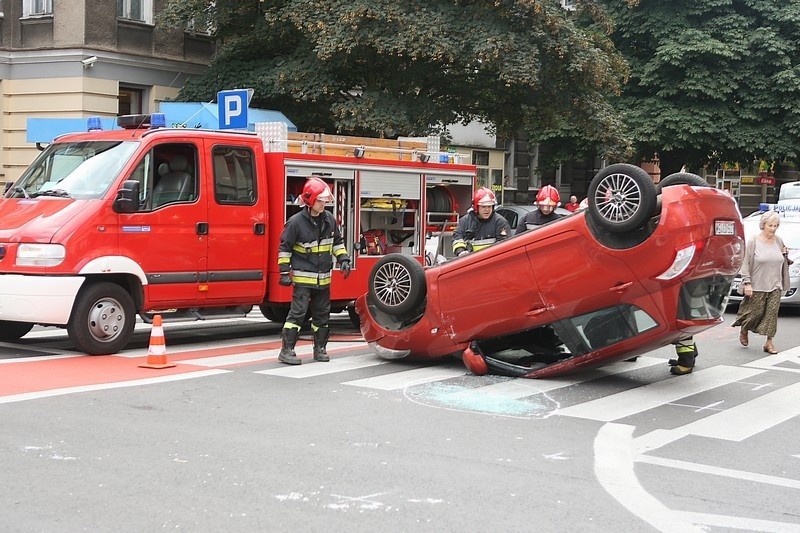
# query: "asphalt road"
229,440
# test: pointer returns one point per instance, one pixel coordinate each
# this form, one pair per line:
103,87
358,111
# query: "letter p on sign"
233,108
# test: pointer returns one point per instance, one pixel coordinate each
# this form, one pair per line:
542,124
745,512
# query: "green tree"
711,80
410,67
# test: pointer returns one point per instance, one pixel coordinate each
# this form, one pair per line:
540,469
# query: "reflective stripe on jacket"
307,248
479,233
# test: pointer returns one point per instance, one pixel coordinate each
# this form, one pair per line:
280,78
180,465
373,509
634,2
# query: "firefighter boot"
687,352
289,339
320,341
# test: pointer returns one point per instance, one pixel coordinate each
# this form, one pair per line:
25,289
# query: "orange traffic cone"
157,351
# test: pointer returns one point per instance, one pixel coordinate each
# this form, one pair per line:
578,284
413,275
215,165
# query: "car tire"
12,331
102,319
397,284
622,198
681,178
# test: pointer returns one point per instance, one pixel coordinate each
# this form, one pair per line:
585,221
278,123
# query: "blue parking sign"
233,108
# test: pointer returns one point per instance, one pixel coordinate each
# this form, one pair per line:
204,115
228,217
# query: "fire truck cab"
143,220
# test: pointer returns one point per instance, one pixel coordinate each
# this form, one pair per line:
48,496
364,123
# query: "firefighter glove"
463,252
286,280
345,268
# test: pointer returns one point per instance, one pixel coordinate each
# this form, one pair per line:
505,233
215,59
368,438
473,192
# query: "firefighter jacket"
473,233
534,219
308,246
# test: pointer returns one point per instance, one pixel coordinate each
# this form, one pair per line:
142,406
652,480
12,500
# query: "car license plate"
724,227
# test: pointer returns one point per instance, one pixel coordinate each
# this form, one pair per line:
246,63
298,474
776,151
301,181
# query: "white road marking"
614,468
719,471
342,364
252,357
786,361
733,424
408,378
105,386
640,399
38,358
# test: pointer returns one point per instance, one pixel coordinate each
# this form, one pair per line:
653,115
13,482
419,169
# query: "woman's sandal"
743,339
770,349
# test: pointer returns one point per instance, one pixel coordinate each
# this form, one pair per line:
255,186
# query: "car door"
236,226
162,236
577,276
489,294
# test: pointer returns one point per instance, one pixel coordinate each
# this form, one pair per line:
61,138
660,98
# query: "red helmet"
548,195
483,196
316,189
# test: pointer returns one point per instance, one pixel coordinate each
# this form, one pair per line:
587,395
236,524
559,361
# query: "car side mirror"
127,200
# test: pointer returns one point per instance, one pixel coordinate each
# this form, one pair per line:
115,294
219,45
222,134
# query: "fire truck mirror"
127,200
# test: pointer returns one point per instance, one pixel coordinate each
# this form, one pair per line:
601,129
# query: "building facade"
79,58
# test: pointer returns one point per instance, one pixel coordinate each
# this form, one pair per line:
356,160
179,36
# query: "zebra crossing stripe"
733,424
261,355
408,378
786,361
640,399
342,364
515,389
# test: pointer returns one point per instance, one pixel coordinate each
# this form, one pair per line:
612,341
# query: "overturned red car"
644,266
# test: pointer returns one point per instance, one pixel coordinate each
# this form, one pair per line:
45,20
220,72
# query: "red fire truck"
107,225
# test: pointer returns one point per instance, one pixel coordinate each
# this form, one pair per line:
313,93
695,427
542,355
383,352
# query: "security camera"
89,61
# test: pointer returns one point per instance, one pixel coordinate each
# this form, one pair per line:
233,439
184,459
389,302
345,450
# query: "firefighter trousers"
317,300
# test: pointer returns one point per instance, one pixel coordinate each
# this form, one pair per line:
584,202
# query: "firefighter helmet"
548,195
316,189
483,196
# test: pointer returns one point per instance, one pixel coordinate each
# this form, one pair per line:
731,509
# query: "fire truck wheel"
622,198
274,314
102,319
397,284
11,331
354,318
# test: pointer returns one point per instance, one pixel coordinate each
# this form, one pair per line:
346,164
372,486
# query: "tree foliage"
411,67
711,80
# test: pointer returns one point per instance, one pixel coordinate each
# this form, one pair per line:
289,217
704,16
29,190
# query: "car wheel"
102,319
12,331
622,198
397,284
681,178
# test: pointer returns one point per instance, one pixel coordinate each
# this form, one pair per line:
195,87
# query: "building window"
130,101
480,158
33,8
138,10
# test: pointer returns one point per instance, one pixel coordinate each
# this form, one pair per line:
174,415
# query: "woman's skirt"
759,313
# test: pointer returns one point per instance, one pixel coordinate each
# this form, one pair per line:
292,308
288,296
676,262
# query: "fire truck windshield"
80,170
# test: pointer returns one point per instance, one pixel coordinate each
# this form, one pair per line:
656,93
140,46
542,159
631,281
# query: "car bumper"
38,299
790,298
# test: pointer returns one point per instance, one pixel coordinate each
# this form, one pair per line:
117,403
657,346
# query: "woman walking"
765,275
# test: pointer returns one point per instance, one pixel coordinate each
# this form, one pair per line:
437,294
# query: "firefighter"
481,226
547,200
309,242
686,351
